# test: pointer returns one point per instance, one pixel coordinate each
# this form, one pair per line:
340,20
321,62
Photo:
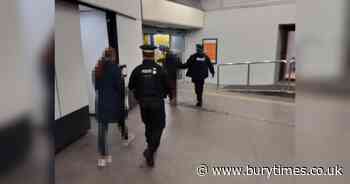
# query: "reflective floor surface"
230,130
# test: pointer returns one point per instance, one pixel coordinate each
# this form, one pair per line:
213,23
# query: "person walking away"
108,101
171,64
149,84
198,65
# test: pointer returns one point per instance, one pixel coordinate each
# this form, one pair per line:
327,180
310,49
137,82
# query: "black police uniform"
149,83
198,65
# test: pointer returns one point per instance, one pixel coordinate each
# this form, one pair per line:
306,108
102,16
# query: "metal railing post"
218,77
290,62
248,75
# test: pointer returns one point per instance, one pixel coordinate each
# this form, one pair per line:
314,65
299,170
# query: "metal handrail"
248,63
254,62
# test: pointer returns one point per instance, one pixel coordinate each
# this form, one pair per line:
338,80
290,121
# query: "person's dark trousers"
121,123
173,91
123,129
198,87
153,115
102,138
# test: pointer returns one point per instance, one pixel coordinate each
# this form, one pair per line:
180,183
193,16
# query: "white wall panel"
70,69
326,45
129,41
94,39
166,12
131,8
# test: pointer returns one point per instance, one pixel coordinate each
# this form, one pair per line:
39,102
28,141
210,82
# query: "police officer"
149,83
198,65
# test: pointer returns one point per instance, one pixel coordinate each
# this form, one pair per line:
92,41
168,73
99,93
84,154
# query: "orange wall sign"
210,47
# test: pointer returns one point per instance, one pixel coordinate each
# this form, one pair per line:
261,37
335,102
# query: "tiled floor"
230,130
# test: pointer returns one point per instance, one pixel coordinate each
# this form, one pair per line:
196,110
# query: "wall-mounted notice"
210,46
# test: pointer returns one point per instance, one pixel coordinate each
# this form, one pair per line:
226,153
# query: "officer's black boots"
199,100
198,86
149,157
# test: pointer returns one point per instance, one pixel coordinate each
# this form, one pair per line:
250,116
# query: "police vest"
149,83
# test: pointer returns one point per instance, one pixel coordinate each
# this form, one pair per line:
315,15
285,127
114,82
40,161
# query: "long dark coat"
171,66
109,107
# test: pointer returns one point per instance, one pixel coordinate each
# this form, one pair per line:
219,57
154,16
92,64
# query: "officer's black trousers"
198,87
153,115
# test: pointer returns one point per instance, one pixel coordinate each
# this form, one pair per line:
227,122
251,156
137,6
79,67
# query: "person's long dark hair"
110,54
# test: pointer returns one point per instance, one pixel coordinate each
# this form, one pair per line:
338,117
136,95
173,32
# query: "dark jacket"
149,80
108,94
198,65
171,65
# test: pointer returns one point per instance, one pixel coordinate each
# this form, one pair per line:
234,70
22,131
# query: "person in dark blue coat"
109,107
198,65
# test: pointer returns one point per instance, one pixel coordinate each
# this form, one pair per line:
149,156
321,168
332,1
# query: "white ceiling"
192,3
226,4
85,8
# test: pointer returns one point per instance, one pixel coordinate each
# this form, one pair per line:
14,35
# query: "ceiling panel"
232,3
211,4
224,4
191,3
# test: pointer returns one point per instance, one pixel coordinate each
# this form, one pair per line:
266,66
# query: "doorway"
287,51
170,37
